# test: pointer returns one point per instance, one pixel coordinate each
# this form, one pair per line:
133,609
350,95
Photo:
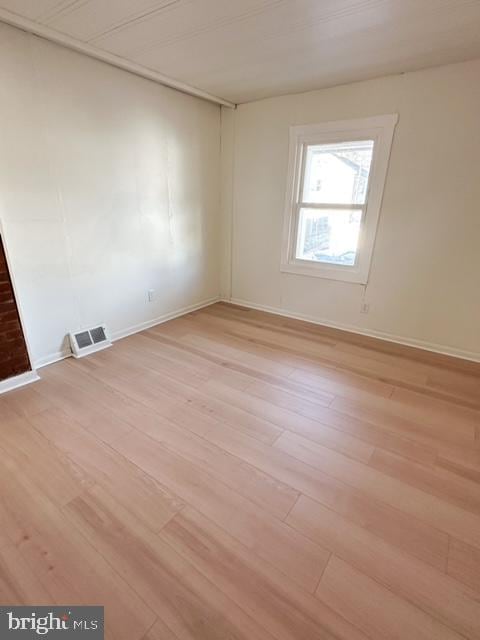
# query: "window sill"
342,274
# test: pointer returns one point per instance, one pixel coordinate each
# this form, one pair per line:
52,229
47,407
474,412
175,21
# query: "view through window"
335,182
334,194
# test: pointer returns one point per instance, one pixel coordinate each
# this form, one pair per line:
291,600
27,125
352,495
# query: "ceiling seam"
132,20
59,10
207,28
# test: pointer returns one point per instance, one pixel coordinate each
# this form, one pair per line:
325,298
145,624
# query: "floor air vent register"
89,341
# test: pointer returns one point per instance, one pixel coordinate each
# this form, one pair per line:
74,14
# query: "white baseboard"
52,357
18,381
123,333
371,333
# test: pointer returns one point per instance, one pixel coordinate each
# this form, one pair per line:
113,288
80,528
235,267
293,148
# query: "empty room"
240,319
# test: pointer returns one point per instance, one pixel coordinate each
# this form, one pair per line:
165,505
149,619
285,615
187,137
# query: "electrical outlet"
151,295
364,307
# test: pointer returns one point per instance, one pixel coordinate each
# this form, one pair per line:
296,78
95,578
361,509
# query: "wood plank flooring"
234,474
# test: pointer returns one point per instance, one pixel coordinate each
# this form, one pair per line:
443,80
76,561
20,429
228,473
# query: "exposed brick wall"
13,351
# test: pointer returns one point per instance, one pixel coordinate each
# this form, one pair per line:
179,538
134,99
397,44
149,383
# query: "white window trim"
378,128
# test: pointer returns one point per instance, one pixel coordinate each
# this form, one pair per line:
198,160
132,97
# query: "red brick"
13,350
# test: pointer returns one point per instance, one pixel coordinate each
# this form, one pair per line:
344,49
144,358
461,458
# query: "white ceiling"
242,50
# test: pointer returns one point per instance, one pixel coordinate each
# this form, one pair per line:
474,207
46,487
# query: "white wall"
424,285
109,186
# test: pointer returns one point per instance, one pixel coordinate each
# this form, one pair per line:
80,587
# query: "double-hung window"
336,176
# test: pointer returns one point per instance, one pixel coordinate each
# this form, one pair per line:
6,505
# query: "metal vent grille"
83,339
89,341
98,335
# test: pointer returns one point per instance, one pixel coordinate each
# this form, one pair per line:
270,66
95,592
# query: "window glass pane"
337,173
328,235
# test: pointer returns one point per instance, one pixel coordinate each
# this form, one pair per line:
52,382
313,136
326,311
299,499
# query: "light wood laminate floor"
238,475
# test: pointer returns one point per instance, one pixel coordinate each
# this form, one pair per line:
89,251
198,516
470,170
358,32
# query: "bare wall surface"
109,187
424,285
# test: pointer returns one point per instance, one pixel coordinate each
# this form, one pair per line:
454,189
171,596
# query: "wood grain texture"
159,631
231,474
464,564
375,609
430,589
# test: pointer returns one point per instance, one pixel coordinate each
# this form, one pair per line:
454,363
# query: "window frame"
380,129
